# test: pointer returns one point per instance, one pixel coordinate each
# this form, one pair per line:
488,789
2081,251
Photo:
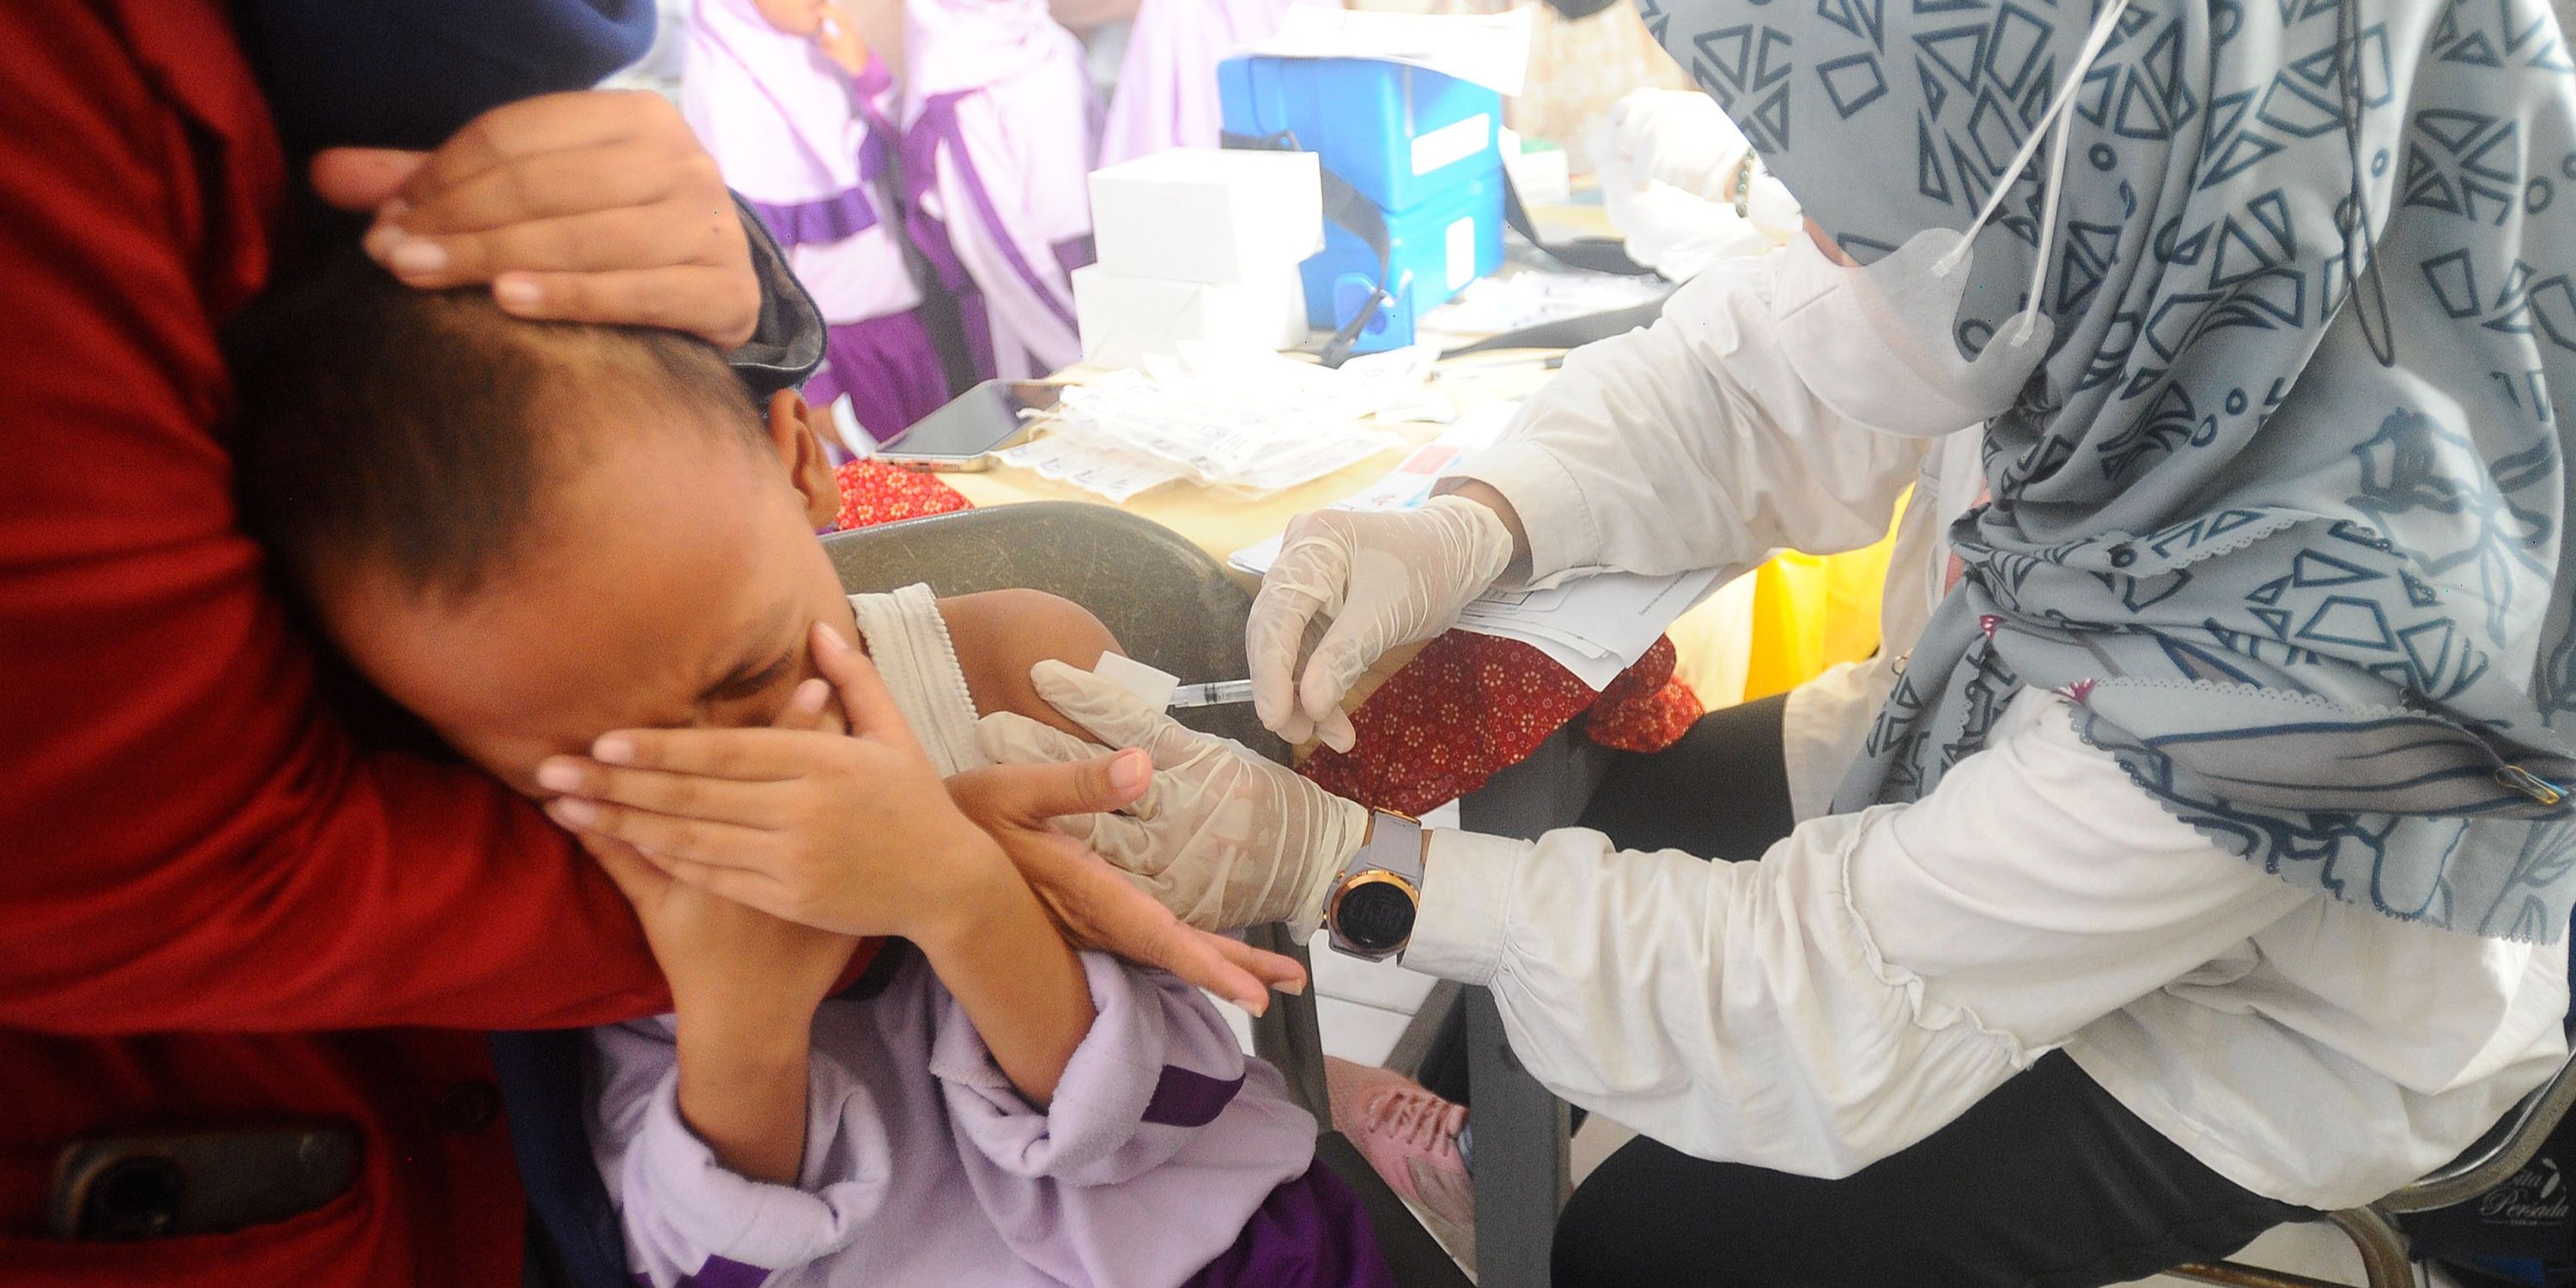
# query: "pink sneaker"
1410,1138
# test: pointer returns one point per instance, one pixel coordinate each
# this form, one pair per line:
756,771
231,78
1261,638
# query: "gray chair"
2387,1261
1174,608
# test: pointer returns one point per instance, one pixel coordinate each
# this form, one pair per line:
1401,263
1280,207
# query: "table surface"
1222,522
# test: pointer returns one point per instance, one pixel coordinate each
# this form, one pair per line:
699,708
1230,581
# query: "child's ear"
796,430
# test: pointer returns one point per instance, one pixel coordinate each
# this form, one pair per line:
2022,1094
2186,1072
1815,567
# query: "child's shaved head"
532,533
419,431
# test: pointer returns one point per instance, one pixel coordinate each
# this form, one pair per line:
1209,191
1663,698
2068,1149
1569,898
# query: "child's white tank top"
908,641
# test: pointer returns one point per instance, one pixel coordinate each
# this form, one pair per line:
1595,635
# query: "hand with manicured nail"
858,838
854,834
594,206
1223,838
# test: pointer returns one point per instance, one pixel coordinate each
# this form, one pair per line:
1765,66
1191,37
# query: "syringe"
1163,690
1214,693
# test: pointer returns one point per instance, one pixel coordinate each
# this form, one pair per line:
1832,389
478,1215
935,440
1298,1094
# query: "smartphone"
963,435
120,1188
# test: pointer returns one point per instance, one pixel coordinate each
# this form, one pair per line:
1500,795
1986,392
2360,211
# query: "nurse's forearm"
1690,444
1727,1010
1486,495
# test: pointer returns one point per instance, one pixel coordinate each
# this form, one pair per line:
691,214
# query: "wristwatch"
1370,911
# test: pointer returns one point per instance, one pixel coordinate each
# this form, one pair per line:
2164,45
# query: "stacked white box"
1123,319
1198,244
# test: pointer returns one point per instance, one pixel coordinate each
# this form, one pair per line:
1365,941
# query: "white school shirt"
1877,973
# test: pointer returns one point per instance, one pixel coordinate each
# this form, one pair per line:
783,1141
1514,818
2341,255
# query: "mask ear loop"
2047,231
2056,116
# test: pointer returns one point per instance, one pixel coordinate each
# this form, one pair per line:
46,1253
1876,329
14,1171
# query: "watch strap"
1394,845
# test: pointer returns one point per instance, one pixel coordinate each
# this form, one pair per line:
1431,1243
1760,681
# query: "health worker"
2196,853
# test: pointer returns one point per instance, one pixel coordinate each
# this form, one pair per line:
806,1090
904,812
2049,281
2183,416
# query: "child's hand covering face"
722,958
853,834
844,838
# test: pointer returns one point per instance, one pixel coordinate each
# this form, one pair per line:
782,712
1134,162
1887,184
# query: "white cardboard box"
1122,318
1215,215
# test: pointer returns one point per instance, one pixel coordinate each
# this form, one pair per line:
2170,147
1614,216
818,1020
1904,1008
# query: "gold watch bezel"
1357,881
1373,876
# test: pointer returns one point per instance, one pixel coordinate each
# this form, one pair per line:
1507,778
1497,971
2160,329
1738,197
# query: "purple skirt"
1310,1233
889,369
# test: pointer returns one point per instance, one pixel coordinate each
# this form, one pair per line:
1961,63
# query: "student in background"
1166,94
1000,129
793,110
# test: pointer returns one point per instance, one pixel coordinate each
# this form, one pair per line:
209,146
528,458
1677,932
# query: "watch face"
1376,917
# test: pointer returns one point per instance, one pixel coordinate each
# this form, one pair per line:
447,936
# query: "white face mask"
1874,343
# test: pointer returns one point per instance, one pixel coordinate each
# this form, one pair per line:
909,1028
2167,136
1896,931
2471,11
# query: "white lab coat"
1877,973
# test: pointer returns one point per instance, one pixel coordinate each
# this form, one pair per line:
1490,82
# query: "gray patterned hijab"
2282,510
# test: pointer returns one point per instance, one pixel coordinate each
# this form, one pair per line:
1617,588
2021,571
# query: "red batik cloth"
873,492
1469,706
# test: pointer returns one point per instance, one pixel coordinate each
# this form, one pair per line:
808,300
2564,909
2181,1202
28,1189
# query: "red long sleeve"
187,839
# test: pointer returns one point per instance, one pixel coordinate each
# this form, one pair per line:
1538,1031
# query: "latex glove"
1680,137
1223,838
1677,234
1384,579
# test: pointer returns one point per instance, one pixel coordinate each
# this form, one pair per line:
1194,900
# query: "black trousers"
2047,1182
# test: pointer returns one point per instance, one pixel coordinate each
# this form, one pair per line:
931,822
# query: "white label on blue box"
1462,253
1456,141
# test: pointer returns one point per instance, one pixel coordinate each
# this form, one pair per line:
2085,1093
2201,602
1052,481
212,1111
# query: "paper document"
1595,627
1522,297
1247,420
1491,50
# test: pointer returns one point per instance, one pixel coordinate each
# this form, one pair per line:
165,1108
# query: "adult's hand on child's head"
854,834
591,206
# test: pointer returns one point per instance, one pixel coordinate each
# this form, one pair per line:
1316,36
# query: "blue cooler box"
1434,250
1420,146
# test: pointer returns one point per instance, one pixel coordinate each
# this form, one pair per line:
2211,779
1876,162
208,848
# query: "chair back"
1170,605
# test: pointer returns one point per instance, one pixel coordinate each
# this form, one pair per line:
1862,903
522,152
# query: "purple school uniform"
806,144
1000,127
1166,1158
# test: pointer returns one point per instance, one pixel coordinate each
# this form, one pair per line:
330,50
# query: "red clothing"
215,908
1469,706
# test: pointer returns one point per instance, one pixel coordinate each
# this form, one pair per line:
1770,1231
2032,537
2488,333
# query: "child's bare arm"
744,986
1005,960
743,1083
1019,983
1000,634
